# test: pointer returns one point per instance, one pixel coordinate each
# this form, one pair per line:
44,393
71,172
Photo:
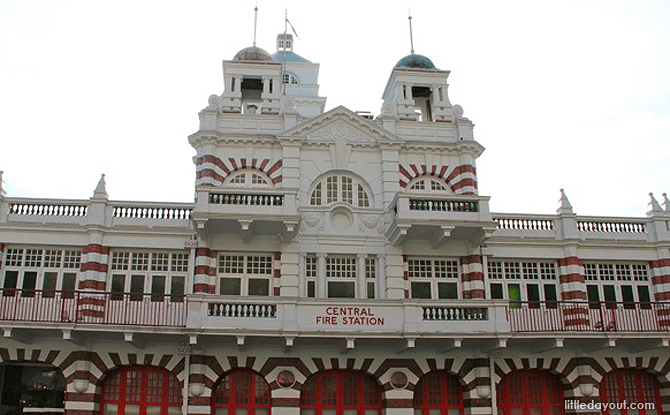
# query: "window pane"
177,289
643,296
341,289
550,296
259,286
230,286
420,290
533,292
593,296
157,287
136,287
447,290
29,281
627,296
311,288
118,287
371,290
49,284
496,291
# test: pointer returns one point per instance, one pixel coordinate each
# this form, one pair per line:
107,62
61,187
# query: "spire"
411,37
565,206
3,192
655,207
100,191
666,202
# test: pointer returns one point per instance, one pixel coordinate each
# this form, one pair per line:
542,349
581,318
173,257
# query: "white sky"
570,94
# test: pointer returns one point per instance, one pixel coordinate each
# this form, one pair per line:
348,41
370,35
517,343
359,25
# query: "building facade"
333,263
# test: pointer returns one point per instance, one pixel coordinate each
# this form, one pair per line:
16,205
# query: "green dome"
415,61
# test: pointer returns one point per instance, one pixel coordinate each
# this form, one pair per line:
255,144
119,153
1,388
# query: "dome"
415,61
252,53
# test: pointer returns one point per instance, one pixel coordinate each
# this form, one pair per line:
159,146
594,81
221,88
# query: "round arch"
247,177
341,392
340,186
530,392
141,390
438,393
427,183
632,386
242,391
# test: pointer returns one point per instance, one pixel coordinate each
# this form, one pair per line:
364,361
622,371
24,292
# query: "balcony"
552,316
436,218
246,212
80,307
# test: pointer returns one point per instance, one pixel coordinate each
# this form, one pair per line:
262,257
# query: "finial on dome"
565,206
100,191
655,207
411,37
255,20
666,202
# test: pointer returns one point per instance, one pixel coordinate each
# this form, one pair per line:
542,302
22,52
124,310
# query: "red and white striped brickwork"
573,288
472,276
660,279
462,180
205,271
211,170
92,284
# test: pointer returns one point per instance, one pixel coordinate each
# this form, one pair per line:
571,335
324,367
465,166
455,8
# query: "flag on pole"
292,28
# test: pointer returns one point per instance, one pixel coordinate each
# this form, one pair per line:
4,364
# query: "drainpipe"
187,376
494,394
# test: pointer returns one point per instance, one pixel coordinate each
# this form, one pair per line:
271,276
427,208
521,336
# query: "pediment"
340,125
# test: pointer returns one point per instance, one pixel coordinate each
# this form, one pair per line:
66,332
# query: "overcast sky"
563,94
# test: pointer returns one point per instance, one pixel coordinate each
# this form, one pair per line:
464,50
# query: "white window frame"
253,266
433,271
131,264
617,274
523,272
44,262
330,189
248,183
341,269
427,184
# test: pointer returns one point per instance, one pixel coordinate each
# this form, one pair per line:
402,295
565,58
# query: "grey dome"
415,61
252,53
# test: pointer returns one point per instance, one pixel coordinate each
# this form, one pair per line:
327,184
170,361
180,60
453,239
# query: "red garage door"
438,393
634,387
242,392
341,392
530,392
141,390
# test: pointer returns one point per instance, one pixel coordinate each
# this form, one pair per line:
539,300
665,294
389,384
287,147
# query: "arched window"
33,385
339,188
247,178
141,390
289,78
438,393
428,184
242,391
340,392
530,392
631,386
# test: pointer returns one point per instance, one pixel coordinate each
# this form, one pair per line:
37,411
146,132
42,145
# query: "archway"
30,385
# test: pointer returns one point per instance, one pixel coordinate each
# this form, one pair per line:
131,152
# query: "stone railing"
149,212
229,309
249,199
524,223
74,209
613,226
455,313
441,205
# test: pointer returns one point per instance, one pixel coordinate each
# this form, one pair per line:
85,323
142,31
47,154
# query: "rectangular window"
610,295
627,296
52,258
230,286
160,262
427,278
593,296
49,284
311,289
177,289
157,287
259,286
118,287
514,292
495,270
447,290
33,258
341,289
310,275
342,268
136,287
643,296
69,284
530,271
14,257
347,190
331,189
420,289
550,296
245,274
497,291
29,283
120,261
140,261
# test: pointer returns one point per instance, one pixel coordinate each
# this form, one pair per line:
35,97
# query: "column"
321,275
381,277
361,284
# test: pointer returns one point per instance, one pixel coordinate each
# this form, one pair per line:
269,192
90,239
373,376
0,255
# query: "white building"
332,264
